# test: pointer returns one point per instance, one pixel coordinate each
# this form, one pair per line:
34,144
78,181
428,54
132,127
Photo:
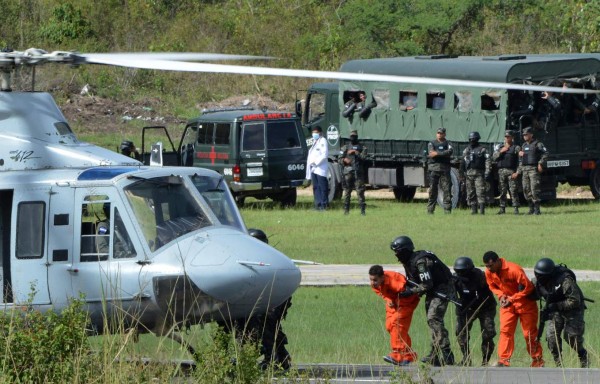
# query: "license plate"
255,172
557,163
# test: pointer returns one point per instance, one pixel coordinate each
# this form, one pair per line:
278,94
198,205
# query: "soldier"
398,313
351,160
439,155
429,276
564,309
477,303
532,157
507,162
477,165
508,281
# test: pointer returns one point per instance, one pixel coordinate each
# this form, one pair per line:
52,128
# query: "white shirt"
317,158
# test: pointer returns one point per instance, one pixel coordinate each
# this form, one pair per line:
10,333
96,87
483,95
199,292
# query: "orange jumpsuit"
398,315
512,283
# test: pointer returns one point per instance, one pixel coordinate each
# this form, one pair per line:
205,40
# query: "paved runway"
358,274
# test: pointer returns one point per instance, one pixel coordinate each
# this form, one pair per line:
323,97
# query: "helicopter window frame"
123,247
93,242
31,230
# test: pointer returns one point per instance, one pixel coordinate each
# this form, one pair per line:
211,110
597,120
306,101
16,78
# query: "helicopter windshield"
165,209
217,195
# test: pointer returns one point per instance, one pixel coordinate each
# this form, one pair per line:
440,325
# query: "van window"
253,138
30,230
436,100
316,106
382,98
408,100
222,133
463,101
205,133
490,101
282,134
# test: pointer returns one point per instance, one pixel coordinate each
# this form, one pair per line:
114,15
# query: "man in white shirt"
316,168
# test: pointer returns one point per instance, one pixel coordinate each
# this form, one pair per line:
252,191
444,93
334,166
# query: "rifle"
438,294
544,315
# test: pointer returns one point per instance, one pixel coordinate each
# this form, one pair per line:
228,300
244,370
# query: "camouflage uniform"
439,174
534,154
432,275
507,163
565,307
477,164
353,174
478,303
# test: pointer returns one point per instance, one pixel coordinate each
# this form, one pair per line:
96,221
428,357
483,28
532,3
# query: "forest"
306,34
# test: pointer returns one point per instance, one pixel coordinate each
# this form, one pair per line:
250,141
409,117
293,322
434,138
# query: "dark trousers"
320,191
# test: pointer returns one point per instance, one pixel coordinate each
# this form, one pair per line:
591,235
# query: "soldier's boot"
431,358
502,211
487,355
536,208
362,209
516,210
474,209
482,209
447,211
447,357
466,359
583,358
346,209
531,208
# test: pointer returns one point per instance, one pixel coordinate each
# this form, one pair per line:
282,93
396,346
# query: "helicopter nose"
244,272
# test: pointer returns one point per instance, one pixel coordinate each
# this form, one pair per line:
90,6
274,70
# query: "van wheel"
287,198
595,183
405,194
334,179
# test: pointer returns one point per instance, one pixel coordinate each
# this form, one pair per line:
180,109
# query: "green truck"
260,153
399,119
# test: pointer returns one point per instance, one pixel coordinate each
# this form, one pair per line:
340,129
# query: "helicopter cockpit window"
463,101
165,209
216,193
408,100
490,101
30,230
95,228
316,106
122,245
436,100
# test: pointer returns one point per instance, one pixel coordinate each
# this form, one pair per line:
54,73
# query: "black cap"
441,130
317,128
527,130
510,133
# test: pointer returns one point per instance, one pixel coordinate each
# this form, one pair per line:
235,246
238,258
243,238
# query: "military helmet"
401,243
258,234
463,263
474,136
544,267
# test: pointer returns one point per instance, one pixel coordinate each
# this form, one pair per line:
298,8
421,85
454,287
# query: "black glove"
407,292
552,307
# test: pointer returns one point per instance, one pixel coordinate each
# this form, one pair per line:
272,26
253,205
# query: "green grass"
566,231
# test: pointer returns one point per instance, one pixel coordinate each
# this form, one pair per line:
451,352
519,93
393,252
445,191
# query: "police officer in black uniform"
352,160
439,154
564,309
478,302
431,275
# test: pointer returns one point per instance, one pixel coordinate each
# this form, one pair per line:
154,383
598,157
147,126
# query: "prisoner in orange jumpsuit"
398,312
508,281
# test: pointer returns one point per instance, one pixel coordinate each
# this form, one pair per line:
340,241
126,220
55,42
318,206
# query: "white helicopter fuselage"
146,247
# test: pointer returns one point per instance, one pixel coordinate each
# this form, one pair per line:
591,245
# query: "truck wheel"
459,197
405,194
595,183
334,178
239,200
287,198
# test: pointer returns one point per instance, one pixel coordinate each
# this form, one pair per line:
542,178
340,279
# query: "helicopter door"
29,261
60,242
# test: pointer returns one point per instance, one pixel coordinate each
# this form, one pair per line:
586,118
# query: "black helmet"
463,263
401,243
474,136
258,234
544,267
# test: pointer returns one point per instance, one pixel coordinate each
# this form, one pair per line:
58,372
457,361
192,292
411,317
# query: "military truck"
260,153
401,118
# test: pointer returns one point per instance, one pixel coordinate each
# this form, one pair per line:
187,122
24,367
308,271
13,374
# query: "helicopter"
154,247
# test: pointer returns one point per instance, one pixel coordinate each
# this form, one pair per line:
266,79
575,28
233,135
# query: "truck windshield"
315,107
282,135
165,209
217,195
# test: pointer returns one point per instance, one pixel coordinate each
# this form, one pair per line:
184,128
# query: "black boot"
536,209
447,357
583,358
531,208
482,209
431,358
466,360
516,210
362,210
346,209
502,211
474,209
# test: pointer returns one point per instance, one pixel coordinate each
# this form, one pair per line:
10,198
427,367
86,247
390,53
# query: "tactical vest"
356,160
473,290
440,272
476,158
532,154
510,159
554,295
439,146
